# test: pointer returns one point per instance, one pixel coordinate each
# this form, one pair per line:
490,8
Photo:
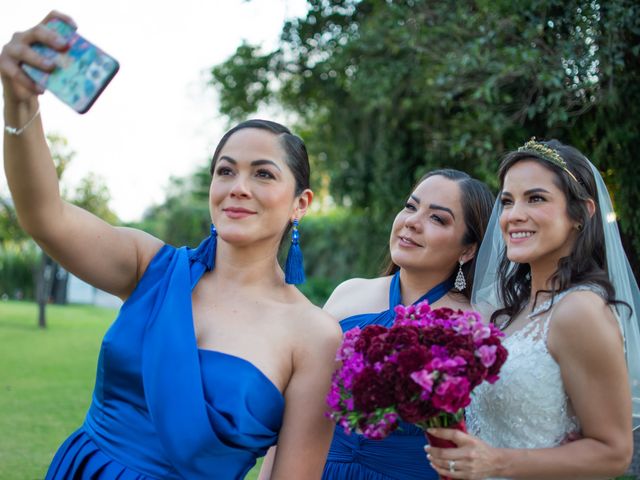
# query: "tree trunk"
44,279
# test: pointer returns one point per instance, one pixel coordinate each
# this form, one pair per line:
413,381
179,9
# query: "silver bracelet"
18,131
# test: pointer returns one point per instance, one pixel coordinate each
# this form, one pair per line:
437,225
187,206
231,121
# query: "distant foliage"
183,218
337,246
385,90
18,264
93,195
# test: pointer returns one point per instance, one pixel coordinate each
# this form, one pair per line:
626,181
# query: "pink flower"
487,354
348,344
482,332
422,368
390,418
452,394
448,365
424,378
333,398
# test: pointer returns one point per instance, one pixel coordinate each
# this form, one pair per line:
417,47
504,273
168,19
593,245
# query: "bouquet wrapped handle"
442,443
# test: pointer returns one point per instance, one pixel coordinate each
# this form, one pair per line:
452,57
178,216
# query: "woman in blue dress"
432,247
214,356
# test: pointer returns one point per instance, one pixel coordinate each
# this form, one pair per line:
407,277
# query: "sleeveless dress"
528,406
163,408
401,455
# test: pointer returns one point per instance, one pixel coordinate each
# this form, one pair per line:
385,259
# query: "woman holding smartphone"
214,357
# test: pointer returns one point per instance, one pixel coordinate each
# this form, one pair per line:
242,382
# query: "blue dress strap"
433,295
395,294
387,317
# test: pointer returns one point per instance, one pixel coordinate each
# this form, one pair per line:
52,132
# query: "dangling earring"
206,251
579,227
460,282
294,268
213,245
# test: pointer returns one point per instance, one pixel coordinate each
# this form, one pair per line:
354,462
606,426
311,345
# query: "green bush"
18,262
343,244
318,289
339,245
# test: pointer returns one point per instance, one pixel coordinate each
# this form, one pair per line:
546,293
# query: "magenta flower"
424,378
452,394
487,354
420,370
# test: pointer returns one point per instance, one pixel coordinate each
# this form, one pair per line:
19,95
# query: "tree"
10,231
385,90
183,218
93,195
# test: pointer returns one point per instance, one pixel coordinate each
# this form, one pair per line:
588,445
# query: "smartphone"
82,72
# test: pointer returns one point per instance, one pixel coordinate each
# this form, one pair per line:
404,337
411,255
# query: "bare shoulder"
319,322
316,332
583,309
359,295
581,320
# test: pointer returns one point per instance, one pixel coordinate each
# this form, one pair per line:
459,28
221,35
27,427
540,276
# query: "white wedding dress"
528,406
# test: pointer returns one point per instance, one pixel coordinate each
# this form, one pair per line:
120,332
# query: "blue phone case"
82,72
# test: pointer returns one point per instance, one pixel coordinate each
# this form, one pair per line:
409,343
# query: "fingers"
443,454
455,436
445,471
13,73
21,49
448,465
56,14
42,34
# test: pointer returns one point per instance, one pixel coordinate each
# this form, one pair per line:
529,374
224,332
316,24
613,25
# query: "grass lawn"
46,380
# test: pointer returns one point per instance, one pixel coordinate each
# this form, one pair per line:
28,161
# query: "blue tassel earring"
213,245
206,251
294,268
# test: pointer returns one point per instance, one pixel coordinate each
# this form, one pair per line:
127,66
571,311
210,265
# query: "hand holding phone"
82,72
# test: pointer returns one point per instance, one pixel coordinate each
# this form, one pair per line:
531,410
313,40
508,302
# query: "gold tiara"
547,153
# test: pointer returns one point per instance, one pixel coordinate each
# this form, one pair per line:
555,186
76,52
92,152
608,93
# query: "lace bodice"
528,407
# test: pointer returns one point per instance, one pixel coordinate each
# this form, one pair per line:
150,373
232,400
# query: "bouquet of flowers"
421,370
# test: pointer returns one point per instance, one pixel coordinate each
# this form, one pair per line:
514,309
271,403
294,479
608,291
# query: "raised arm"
110,258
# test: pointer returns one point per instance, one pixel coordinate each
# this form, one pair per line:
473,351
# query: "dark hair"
293,146
477,202
587,262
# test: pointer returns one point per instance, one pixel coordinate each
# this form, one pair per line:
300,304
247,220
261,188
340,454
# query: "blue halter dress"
163,408
401,455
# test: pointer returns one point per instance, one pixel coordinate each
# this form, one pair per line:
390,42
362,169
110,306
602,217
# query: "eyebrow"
254,163
434,206
527,192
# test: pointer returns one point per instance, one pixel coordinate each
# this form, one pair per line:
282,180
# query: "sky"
157,118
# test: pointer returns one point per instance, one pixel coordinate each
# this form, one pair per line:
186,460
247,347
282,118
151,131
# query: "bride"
566,298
